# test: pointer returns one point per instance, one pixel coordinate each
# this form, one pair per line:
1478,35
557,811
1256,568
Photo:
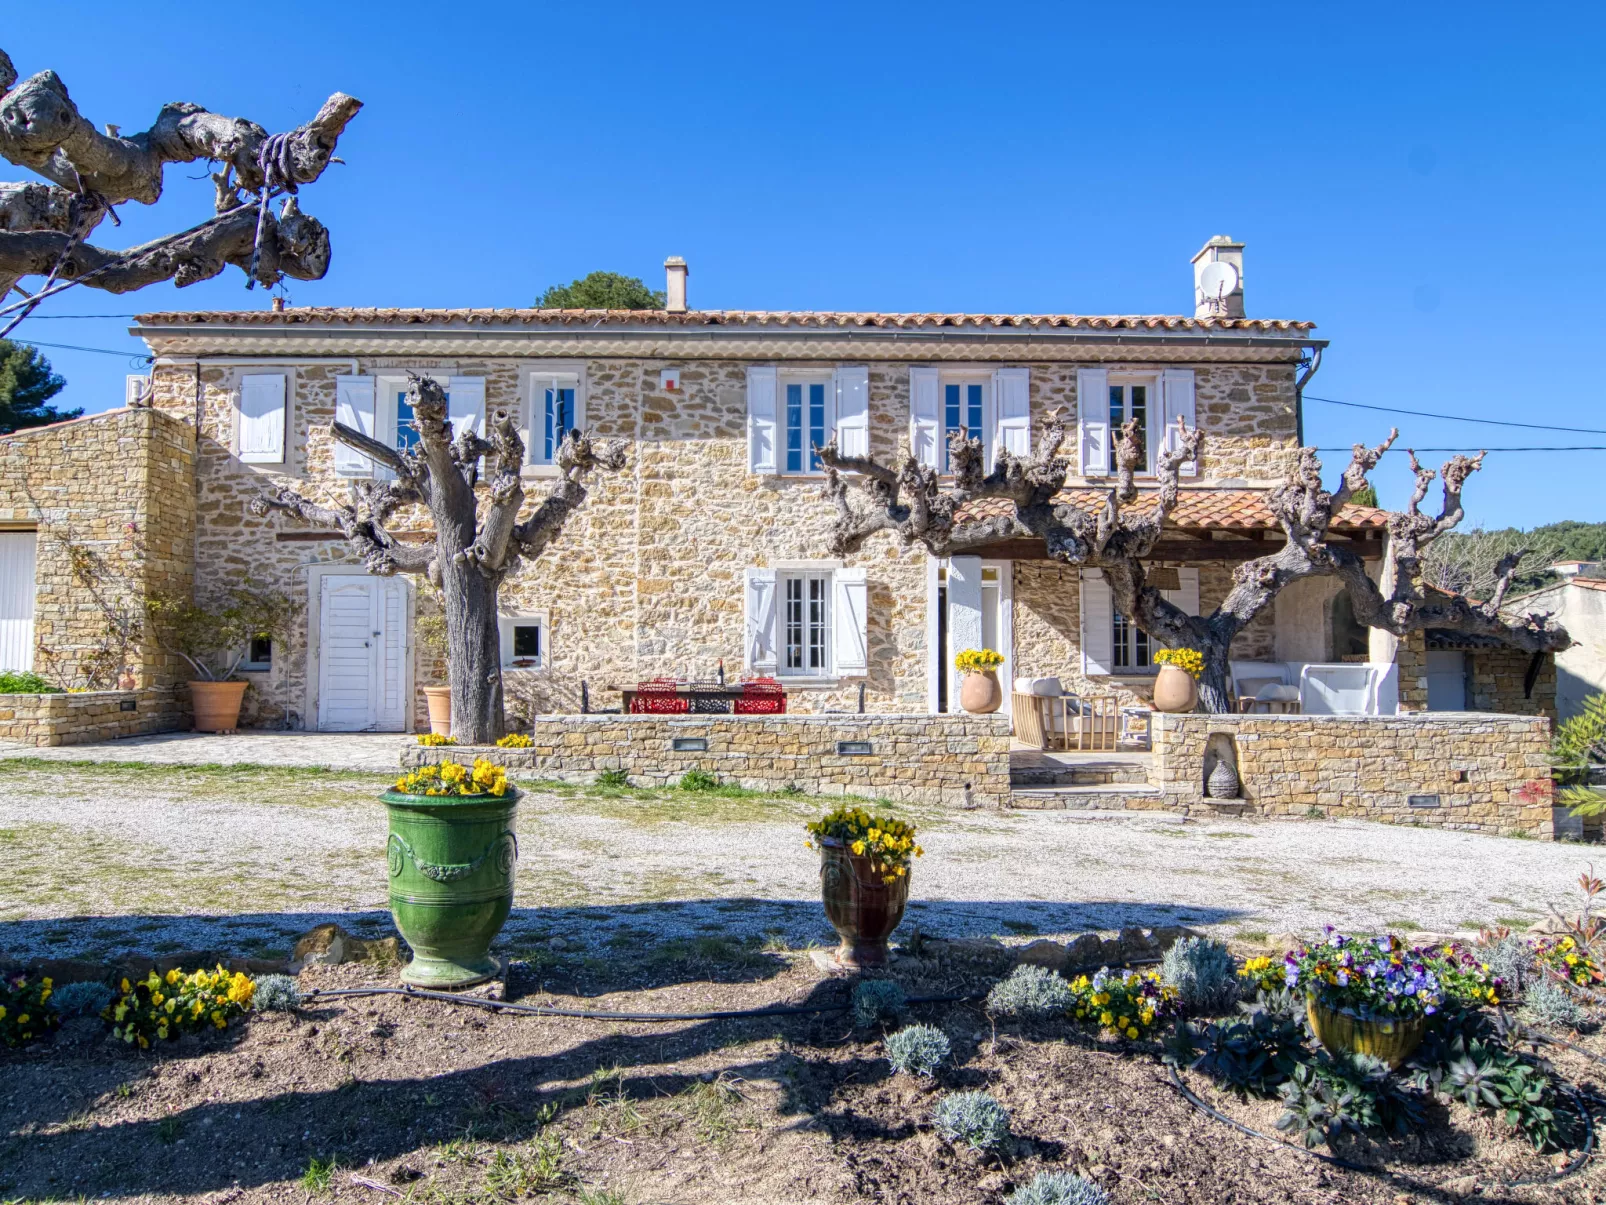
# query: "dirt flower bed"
384,1098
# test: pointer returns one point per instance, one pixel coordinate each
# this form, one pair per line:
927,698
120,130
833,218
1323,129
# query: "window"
807,419
258,654
557,406
406,429
1127,402
523,641
1130,646
262,401
963,406
805,624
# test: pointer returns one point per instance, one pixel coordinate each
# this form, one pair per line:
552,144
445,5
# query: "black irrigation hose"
537,1010
1582,1158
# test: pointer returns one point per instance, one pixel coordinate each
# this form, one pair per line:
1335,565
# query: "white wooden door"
16,599
362,655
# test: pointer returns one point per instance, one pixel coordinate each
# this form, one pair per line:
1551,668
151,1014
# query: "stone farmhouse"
707,552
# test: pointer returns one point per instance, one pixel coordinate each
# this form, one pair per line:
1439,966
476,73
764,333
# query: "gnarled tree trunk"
472,554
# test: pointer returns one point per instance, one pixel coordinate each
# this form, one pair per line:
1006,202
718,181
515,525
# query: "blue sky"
1423,181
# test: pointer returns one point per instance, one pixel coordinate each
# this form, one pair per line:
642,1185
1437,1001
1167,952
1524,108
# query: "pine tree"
27,383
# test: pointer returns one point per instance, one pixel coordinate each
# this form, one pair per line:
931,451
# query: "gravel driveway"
115,857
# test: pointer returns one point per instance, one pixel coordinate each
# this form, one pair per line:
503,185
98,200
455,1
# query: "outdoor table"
720,699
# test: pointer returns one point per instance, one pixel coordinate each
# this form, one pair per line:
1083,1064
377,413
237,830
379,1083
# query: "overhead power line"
105,351
1458,418
1581,448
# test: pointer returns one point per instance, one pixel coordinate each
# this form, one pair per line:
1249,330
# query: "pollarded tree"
915,505
472,553
44,227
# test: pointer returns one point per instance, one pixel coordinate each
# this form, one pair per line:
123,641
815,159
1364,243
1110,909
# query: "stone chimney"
675,271
1219,292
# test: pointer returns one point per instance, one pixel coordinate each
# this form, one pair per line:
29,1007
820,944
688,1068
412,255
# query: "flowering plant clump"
435,738
160,1007
978,661
1190,661
1130,1003
888,843
450,778
1381,977
25,1009
1568,959
515,740
1265,973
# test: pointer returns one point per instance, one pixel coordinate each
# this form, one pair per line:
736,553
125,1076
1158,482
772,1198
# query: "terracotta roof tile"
348,315
1218,510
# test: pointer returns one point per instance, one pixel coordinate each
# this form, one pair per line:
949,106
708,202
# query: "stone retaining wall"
1447,769
948,759
82,719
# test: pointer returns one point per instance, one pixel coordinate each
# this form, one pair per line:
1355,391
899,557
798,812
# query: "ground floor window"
805,623
523,641
259,654
1130,645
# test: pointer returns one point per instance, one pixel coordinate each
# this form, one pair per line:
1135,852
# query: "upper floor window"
557,406
807,418
1129,401
964,407
406,426
380,407
263,416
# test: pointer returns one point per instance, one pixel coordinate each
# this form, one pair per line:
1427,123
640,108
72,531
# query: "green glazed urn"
451,861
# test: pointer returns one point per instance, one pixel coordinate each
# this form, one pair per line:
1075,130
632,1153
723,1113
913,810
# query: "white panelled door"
16,599
362,655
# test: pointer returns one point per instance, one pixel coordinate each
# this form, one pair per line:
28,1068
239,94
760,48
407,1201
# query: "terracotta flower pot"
452,861
980,693
1392,1039
440,709
1175,690
862,907
217,705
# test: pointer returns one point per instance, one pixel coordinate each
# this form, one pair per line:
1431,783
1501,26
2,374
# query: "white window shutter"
465,404
1093,421
1012,393
1178,386
1098,624
851,635
262,418
761,434
925,423
758,651
934,619
852,410
964,616
354,408
1186,596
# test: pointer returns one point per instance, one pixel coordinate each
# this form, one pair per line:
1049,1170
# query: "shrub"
876,1001
81,999
163,1006
1510,958
1551,1004
277,994
434,740
917,1049
1128,1002
25,1009
973,1118
1251,1056
698,780
515,740
1058,1188
613,778
25,683
1202,972
1030,991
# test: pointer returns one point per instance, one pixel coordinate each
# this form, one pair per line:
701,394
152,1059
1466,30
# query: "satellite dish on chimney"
1218,280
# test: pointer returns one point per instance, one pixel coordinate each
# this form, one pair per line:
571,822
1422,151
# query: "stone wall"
950,760
647,579
111,498
1495,679
1463,770
87,717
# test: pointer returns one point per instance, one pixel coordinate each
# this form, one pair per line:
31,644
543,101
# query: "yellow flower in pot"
980,692
1176,686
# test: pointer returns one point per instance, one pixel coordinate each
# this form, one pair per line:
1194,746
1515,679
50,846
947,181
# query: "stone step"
1080,774
1117,797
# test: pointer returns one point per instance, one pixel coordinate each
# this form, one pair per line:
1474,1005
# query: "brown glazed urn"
862,907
